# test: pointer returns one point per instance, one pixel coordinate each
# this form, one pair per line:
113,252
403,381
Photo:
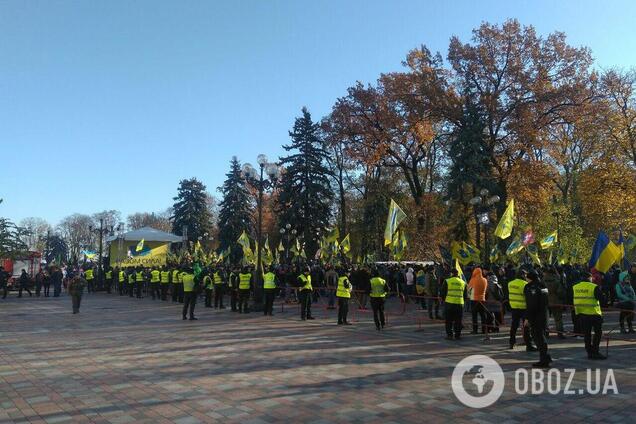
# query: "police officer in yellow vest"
379,289
155,279
233,284
190,293
208,285
140,277
343,293
121,281
269,291
177,285
517,302
164,282
131,281
304,294
89,276
219,287
108,279
244,286
587,307
453,291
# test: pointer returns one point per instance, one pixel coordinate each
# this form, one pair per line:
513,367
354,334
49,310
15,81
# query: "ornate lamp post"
262,179
101,232
287,233
484,204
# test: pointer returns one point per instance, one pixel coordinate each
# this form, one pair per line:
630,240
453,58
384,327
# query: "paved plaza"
125,360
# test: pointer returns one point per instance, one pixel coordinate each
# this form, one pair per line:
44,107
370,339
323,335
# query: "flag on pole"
533,252
345,245
140,246
621,245
333,235
459,252
396,216
549,240
244,240
506,223
280,248
399,246
515,247
604,253
460,273
494,254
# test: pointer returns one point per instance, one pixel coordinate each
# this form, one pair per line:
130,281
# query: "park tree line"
524,116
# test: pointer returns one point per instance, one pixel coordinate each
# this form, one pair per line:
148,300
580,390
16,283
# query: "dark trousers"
304,297
154,291
433,306
26,289
589,323
189,300
174,292
120,288
164,291
109,284
180,294
538,329
625,313
343,309
243,298
478,308
234,299
518,317
269,295
38,289
57,289
453,314
377,304
131,289
76,299
90,285
218,295
47,290
5,290
138,288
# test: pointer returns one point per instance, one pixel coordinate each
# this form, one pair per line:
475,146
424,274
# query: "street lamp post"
287,232
261,182
101,232
483,204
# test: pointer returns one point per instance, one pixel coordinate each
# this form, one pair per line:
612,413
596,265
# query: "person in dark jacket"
536,294
76,289
4,281
23,283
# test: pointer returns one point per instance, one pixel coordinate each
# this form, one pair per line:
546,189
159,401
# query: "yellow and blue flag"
140,246
506,223
515,247
396,216
549,241
621,245
604,253
460,273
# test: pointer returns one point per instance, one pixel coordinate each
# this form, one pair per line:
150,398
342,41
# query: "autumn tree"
159,221
619,89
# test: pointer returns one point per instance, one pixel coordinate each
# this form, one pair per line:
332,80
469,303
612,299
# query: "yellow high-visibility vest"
217,278
131,278
378,286
584,301
207,282
455,287
344,288
88,274
154,276
140,276
306,279
165,277
244,281
109,275
175,277
122,276
188,282
515,294
269,280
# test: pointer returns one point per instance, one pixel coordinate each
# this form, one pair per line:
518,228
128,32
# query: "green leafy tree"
305,196
11,236
236,209
190,210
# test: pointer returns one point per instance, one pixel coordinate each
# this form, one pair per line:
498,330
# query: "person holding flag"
396,216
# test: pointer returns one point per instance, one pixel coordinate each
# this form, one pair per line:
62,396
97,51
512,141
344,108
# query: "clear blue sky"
108,104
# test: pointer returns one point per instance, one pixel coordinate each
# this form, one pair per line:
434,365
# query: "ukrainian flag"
604,253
